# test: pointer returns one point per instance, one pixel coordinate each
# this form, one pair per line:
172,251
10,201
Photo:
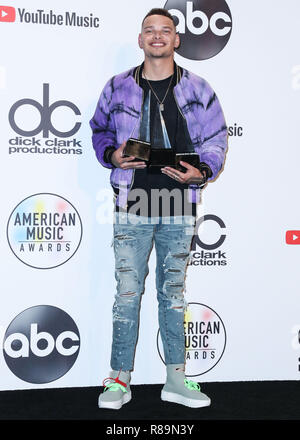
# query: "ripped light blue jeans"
133,241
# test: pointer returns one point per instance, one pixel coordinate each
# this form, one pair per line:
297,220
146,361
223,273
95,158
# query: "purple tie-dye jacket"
118,116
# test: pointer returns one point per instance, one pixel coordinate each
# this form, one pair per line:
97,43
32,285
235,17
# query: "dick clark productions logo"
206,250
45,126
41,344
204,26
205,339
43,134
44,230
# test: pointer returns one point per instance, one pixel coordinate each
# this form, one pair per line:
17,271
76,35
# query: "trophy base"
139,149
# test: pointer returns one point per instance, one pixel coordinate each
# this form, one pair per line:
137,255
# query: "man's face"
158,37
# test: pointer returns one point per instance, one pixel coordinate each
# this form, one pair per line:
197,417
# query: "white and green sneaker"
117,390
180,390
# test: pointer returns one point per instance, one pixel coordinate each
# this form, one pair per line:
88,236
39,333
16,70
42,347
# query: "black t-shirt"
156,203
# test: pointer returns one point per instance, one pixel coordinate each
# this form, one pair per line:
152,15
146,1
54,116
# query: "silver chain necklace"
161,103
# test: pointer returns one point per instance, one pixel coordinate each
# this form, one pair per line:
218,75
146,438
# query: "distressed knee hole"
181,255
124,269
123,237
171,288
170,284
177,302
128,294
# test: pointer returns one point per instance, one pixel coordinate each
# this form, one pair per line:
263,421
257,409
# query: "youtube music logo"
292,237
7,14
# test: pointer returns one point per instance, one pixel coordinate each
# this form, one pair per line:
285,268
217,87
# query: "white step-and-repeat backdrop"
57,265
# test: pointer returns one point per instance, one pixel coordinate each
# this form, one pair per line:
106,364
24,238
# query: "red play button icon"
7,14
292,237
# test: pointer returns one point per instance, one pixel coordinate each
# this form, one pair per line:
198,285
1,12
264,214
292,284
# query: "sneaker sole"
116,404
178,398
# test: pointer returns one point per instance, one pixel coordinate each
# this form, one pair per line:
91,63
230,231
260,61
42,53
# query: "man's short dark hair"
159,11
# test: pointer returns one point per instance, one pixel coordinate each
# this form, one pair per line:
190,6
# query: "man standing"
171,109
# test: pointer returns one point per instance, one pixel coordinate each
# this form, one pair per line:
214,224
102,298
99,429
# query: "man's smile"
157,44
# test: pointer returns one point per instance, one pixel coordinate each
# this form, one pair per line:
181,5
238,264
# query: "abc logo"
204,26
41,344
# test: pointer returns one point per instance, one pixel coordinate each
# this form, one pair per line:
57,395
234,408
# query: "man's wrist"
109,151
205,170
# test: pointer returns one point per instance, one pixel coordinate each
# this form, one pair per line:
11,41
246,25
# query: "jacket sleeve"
213,132
102,125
